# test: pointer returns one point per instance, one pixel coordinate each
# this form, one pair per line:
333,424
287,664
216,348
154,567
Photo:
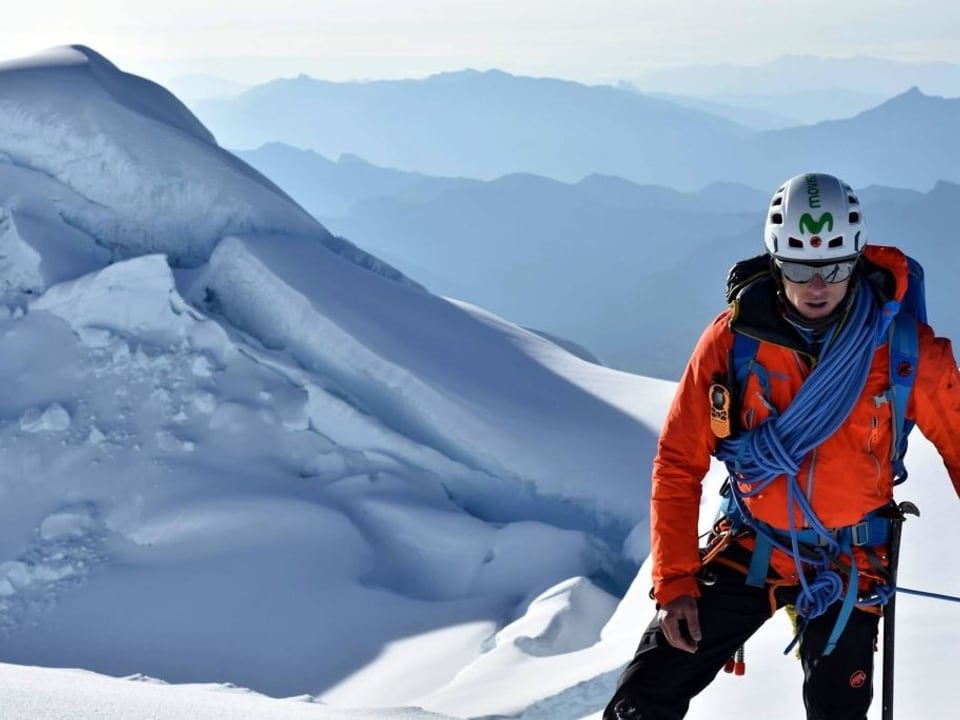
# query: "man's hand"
680,623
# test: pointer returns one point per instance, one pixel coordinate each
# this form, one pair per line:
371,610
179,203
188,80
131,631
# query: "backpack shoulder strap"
904,356
742,356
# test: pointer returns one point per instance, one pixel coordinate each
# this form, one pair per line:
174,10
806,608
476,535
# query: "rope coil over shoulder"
777,447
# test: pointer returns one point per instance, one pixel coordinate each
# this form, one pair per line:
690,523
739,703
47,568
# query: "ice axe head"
908,508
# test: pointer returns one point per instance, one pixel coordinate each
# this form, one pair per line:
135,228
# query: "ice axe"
889,611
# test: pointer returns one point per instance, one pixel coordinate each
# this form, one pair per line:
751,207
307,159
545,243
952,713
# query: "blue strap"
744,355
849,600
759,561
904,355
874,529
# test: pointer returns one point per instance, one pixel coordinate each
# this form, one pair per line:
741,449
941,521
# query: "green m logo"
814,227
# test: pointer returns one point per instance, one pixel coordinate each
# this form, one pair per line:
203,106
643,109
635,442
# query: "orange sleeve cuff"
672,588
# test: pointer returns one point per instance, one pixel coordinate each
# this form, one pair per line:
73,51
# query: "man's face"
815,299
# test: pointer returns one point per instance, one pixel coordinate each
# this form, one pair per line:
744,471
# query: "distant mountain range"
775,111
792,75
909,141
198,87
630,272
755,118
489,124
483,125
331,189
796,89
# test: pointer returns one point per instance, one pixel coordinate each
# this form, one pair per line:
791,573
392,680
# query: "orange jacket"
846,477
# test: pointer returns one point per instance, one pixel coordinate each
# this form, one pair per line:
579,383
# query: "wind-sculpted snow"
194,449
276,438
37,247
150,177
368,337
280,424
79,63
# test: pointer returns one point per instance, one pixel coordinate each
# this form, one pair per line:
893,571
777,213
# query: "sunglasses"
833,272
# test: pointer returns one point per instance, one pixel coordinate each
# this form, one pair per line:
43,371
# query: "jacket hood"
887,270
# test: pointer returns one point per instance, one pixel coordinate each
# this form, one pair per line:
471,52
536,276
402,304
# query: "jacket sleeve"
683,458
935,400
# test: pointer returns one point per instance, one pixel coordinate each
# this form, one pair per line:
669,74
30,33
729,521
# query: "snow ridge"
74,117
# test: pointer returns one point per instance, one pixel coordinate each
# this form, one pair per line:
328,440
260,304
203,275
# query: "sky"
598,42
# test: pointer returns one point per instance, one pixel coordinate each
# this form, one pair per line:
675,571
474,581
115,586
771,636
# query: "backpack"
903,343
904,353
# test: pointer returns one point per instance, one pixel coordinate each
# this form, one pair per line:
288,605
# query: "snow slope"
232,399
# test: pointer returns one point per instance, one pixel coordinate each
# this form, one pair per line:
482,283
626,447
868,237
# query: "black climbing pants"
660,681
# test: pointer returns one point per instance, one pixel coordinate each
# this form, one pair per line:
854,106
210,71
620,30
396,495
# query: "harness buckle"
860,534
823,541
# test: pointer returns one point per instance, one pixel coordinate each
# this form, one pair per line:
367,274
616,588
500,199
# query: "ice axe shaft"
890,610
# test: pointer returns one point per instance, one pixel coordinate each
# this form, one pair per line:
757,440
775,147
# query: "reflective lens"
835,272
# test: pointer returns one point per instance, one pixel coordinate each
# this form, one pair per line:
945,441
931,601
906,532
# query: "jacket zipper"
874,424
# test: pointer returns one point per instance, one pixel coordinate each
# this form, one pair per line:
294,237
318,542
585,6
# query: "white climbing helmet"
814,218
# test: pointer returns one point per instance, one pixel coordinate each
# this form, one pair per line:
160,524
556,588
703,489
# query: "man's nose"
818,282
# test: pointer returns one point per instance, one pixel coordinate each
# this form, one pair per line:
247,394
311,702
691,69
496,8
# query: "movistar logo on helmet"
814,227
813,191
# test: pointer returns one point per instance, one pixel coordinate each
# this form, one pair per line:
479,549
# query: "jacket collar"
752,292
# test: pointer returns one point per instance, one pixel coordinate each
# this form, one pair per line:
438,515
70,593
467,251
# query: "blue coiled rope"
777,447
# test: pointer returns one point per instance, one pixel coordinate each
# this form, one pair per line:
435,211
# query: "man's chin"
815,312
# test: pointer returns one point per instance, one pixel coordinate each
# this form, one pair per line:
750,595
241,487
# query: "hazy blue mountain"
596,262
924,225
718,197
806,88
329,189
909,141
800,73
635,287
197,87
805,106
567,259
491,124
546,254
760,113
485,125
